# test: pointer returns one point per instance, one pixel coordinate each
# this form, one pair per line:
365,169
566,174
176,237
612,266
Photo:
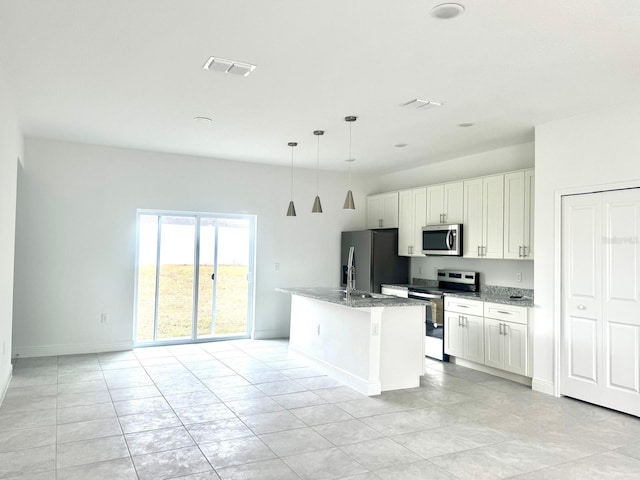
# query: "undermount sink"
361,294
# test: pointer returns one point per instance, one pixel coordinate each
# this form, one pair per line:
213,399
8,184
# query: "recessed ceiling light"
202,119
445,11
400,145
465,124
228,66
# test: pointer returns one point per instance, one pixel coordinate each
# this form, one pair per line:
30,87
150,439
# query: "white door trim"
557,264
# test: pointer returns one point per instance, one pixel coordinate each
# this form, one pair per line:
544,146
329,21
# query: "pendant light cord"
350,157
318,165
291,172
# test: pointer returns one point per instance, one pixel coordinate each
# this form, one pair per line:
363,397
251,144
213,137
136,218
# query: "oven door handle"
420,295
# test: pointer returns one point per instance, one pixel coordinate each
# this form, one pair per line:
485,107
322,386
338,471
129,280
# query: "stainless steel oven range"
449,281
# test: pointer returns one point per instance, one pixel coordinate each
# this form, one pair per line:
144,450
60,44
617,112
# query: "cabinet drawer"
463,305
396,292
508,313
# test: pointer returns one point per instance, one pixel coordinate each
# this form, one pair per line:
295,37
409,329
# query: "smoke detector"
444,11
420,104
223,65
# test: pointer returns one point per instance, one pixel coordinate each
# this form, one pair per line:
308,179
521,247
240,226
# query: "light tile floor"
247,410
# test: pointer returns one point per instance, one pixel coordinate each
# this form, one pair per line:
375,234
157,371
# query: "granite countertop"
336,295
488,293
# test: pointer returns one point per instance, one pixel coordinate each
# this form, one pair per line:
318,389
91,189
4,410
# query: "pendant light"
317,206
348,201
291,211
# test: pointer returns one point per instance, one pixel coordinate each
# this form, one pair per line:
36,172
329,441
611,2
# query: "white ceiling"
128,73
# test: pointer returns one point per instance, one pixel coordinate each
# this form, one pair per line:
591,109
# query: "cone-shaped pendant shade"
348,202
317,206
291,211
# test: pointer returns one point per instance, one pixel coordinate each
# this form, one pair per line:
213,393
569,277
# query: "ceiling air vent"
228,66
420,104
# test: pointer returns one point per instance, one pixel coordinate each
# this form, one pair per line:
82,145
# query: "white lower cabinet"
463,331
505,346
490,334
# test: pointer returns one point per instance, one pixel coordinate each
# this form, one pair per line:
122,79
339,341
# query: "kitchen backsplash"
492,272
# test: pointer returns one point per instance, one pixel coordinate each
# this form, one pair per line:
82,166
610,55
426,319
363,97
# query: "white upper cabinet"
518,214
413,204
484,217
445,203
382,210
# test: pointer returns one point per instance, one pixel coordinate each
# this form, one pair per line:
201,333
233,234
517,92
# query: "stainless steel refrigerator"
376,259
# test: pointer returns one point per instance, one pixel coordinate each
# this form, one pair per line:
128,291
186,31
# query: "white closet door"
621,307
600,304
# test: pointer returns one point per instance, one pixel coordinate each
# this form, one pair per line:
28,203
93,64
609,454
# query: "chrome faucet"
351,274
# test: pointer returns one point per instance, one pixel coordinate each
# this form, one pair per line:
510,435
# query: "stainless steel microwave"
442,240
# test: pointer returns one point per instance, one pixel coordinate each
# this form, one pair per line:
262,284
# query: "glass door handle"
213,276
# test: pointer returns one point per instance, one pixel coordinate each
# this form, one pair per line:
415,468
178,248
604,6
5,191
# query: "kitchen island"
371,344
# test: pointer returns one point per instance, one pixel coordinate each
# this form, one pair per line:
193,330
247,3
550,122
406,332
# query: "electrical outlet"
104,318
519,277
276,267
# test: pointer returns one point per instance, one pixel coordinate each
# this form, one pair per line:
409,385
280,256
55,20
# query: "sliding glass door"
194,277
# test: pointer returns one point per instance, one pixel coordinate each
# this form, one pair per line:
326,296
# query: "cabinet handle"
463,306
499,329
444,218
504,313
520,251
479,254
524,251
380,222
459,321
581,307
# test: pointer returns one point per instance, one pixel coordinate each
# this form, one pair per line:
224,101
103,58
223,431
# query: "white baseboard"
543,386
4,383
492,371
359,384
271,333
71,349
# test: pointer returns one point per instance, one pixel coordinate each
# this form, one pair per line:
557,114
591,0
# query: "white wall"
10,151
515,157
493,272
76,236
595,150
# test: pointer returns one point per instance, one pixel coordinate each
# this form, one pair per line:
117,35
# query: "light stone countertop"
337,296
488,293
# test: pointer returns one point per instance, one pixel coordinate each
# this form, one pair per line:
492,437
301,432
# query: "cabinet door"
453,335
493,343
419,219
514,215
405,223
473,218
529,219
474,338
390,210
493,216
374,211
454,202
435,204
515,348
